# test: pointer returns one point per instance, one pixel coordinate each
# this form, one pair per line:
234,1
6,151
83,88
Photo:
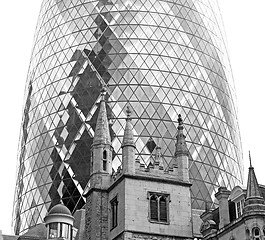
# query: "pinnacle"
102,133
128,138
181,147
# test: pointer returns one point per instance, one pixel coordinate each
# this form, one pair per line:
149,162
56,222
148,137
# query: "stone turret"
254,201
101,148
128,146
96,191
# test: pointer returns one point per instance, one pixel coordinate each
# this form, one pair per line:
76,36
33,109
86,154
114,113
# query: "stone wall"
97,216
137,208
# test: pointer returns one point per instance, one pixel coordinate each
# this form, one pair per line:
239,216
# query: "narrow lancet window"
105,160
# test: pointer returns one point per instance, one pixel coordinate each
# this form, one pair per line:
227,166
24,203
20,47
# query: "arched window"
105,155
256,233
163,208
114,212
154,208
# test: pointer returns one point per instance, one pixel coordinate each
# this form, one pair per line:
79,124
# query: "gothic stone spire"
252,185
102,133
254,202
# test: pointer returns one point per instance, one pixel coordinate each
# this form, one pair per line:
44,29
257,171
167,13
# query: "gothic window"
256,233
114,212
105,160
158,207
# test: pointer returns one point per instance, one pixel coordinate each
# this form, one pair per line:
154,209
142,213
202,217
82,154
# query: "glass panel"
53,230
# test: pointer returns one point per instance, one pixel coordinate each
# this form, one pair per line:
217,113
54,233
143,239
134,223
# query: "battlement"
155,169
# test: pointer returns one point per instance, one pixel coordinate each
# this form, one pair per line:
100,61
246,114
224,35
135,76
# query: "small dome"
60,209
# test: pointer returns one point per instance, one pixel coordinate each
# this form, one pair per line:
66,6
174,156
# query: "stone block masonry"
97,216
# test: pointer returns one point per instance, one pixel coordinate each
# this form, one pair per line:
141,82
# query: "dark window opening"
256,234
105,160
154,208
114,213
104,165
158,207
105,154
163,209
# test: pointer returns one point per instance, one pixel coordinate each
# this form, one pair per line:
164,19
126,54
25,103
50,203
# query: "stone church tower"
136,202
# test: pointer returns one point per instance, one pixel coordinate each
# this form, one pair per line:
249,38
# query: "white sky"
245,32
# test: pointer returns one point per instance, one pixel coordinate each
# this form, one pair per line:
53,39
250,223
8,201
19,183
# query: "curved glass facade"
163,57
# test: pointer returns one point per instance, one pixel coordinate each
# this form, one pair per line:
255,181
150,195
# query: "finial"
158,151
181,147
103,91
129,112
250,164
180,121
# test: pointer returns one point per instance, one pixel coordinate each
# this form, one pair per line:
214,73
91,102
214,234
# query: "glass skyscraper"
163,58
